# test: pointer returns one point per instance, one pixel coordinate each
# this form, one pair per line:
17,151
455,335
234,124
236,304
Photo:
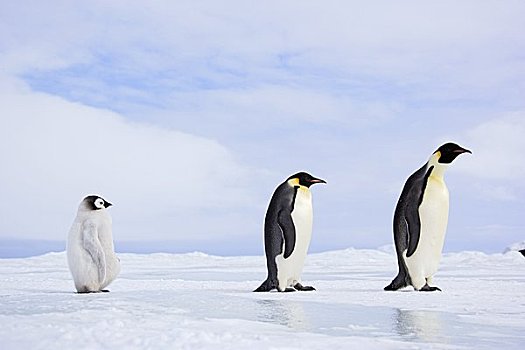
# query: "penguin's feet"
393,286
289,289
300,287
397,283
427,288
105,290
267,286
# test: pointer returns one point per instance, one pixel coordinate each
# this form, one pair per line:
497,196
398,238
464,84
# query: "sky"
188,115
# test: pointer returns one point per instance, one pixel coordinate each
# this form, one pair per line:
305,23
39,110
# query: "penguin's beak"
462,150
317,181
108,204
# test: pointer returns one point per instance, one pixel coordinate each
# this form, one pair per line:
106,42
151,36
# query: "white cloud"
405,43
498,146
346,62
53,152
270,106
495,169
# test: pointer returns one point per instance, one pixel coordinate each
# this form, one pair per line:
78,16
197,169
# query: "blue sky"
187,116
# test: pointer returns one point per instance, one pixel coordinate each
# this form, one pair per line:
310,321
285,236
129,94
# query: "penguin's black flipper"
413,222
522,252
284,219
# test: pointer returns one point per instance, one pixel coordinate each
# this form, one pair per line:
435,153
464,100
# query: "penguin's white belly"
81,265
289,270
433,215
83,269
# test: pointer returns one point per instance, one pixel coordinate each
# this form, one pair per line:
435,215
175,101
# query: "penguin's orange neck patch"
294,182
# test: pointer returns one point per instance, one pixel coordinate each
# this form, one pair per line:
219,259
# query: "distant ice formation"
516,247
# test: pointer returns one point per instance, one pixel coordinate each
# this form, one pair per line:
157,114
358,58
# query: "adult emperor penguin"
90,253
420,221
287,233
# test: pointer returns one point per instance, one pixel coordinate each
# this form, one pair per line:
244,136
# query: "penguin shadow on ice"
287,233
420,221
90,252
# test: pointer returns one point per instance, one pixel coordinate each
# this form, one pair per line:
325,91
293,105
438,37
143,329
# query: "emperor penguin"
90,253
287,233
420,221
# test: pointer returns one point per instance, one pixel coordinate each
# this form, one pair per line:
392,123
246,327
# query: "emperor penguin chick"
90,252
420,221
287,233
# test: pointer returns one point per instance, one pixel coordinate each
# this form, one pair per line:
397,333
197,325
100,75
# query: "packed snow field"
197,301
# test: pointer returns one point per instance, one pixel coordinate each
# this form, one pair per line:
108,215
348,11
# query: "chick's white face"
99,203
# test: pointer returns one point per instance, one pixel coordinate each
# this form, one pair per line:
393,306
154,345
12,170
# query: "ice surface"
196,301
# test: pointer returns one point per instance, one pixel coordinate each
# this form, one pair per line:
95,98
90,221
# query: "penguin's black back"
278,222
407,211
278,229
407,224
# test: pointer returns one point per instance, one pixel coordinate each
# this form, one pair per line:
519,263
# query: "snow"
518,246
197,301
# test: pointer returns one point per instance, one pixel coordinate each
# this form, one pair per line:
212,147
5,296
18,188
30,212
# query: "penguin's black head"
449,151
306,179
94,202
